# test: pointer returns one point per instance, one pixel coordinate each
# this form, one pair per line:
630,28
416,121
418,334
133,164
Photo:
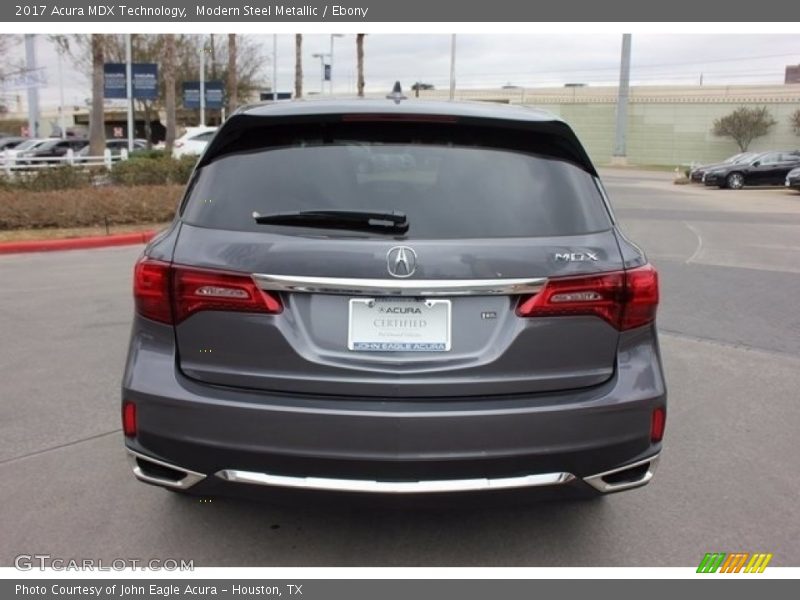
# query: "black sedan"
793,179
767,168
696,174
53,148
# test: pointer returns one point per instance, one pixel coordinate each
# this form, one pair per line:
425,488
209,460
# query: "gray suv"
394,297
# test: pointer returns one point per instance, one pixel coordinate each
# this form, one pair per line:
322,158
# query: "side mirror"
757,163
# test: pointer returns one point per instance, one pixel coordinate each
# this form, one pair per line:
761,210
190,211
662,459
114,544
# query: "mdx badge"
584,256
401,261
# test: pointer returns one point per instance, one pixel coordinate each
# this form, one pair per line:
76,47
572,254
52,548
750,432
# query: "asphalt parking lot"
729,478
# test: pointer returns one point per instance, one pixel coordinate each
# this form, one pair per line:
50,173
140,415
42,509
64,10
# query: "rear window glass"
202,137
447,191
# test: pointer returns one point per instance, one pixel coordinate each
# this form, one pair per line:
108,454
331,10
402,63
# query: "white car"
26,146
193,141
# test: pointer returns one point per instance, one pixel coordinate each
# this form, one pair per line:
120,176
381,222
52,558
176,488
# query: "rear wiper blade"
358,220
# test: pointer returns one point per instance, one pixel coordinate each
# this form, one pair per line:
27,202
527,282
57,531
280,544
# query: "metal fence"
12,164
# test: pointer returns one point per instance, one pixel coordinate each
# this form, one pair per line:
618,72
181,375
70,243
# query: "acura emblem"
401,261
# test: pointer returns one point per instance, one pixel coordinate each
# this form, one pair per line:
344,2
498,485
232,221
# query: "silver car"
394,297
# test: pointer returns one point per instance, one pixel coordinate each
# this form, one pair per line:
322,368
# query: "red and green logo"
737,562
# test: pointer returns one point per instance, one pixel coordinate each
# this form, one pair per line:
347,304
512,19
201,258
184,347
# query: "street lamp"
321,56
333,35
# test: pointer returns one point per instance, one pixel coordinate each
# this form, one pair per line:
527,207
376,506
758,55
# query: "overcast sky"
495,60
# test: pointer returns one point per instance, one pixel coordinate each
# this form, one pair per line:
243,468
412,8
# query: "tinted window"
202,137
446,191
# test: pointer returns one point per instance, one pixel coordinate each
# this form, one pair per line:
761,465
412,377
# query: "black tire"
734,181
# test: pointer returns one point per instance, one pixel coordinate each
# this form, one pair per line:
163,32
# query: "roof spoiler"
551,137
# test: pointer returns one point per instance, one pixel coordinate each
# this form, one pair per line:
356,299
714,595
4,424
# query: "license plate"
399,325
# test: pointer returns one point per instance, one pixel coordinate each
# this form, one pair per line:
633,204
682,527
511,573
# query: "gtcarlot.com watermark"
29,562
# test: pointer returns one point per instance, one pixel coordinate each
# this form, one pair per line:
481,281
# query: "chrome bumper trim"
596,481
398,287
189,479
394,487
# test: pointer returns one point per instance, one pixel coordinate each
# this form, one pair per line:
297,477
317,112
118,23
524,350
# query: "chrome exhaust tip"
157,472
624,478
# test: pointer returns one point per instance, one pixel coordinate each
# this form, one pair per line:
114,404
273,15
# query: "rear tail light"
129,419
151,290
170,294
625,299
658,421
198,290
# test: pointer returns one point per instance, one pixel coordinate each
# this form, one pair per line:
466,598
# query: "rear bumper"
373,445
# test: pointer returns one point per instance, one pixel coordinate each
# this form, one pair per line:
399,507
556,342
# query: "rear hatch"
493,210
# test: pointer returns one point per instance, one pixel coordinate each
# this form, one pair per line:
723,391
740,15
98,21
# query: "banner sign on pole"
145,81
215,92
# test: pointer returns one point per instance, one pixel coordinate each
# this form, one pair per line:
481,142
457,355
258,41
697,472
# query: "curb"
99,241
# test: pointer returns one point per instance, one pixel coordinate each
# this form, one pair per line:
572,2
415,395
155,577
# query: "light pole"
621,132
33,90
202,81
61,124
333,35
321,56
453,67
129,89
274,67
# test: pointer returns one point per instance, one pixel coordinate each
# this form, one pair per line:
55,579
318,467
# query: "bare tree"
7,42
169,90
298,65
360,62
97,127
744,125
233,97
794,119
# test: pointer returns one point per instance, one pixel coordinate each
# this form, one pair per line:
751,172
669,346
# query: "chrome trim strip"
189,479
394,487
596,481
398,287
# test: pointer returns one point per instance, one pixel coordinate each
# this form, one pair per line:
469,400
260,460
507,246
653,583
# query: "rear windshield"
447,191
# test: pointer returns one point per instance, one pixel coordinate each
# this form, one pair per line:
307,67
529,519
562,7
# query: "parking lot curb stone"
100,241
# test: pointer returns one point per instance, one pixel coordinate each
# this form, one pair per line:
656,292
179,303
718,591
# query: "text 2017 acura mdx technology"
399,297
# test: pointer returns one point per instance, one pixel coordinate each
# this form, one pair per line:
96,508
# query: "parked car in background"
401,298
793,179
116,147
696,174
28,144
51,148
767,168
7,143
194,141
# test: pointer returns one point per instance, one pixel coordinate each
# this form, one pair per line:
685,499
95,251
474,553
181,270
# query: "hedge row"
88,206
151,168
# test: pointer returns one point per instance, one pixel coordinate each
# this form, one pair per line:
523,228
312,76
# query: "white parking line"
699,248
